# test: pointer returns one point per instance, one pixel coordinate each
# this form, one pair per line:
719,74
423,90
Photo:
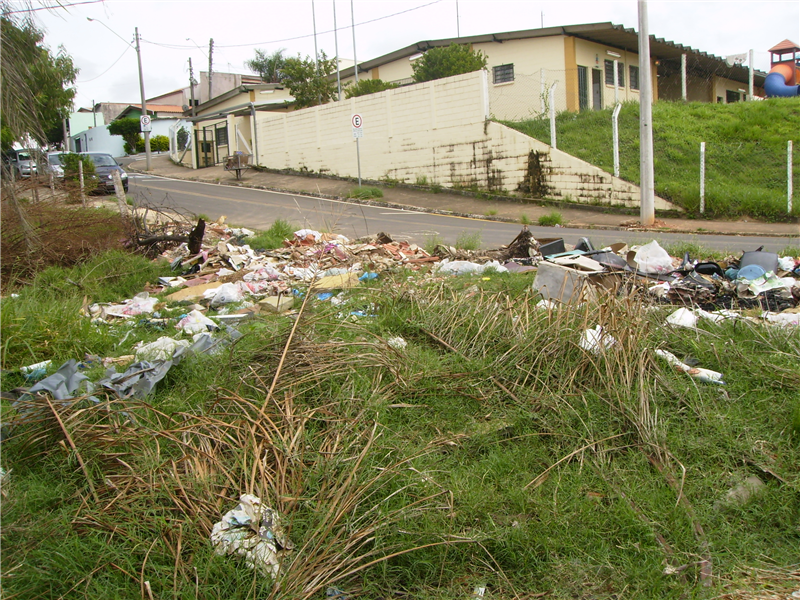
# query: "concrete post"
646,173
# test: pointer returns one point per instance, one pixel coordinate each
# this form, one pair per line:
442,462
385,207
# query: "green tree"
309,83
183,138
268,66
447,61
128,128
36,93
368,86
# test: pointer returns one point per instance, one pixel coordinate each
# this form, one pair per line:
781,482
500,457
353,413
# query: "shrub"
159,143
551,220
368,86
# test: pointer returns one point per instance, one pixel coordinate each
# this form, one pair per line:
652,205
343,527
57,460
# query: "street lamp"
141,86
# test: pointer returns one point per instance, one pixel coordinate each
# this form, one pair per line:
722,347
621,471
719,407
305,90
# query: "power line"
299,37
109,68
59,5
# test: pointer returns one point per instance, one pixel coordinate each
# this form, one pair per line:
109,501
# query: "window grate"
503,73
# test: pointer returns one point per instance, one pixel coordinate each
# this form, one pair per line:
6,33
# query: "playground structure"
784,75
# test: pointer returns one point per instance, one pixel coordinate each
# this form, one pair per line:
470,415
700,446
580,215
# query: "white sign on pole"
358,126
145,123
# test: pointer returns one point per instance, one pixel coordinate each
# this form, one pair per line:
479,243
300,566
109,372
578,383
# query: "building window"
731,97
634,77
503,73
609,70
221,133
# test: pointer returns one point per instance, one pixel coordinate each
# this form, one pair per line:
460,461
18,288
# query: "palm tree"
269,66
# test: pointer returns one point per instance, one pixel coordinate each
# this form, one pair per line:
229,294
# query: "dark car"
104,167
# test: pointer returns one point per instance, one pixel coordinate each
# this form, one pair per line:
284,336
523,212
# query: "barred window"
609,69
503,73
222,135
634,77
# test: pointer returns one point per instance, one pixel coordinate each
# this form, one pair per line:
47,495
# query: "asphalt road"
257,209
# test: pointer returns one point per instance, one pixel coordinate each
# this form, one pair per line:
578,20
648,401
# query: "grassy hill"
746,151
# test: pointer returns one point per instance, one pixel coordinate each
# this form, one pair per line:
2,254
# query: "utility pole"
94,114
355,59
336,42
191,83
458,22
210,64
316,52
144,103
646,173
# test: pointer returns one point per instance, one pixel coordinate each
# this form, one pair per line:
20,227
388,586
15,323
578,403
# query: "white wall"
97,139
438,130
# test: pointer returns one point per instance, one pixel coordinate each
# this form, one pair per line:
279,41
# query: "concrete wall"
97,139
438,130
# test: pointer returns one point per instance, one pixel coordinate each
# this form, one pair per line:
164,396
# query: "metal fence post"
80,177
702,177
789,177
615,135
553,116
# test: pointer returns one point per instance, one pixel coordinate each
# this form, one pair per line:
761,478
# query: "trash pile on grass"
206,459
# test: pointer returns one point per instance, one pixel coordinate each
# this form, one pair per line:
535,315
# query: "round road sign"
357,121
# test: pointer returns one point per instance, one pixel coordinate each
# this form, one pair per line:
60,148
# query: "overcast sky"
173,31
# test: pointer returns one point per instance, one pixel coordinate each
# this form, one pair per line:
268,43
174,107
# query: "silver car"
24,164
54,164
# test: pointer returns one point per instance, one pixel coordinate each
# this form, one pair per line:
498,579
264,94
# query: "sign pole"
358,132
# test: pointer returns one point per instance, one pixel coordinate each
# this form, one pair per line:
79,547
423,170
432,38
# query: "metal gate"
212,144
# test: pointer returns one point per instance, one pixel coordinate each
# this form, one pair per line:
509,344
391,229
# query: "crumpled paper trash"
255,532
596,340
397,343
704,375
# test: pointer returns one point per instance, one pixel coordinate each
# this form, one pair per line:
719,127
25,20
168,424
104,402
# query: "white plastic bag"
652,258
225,294
196,322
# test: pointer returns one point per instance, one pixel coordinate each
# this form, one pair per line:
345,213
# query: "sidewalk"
464,205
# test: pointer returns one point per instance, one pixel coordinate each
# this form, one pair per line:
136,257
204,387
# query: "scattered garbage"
255,532
4,477
596,340
465,267
704,375
652,258
740,494
397,343
196,322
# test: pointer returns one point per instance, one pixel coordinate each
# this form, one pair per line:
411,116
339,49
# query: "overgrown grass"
746,145
366,193
468,240
273,237
551,219
492,451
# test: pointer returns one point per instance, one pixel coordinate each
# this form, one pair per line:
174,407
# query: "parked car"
104,167
23,163
54,164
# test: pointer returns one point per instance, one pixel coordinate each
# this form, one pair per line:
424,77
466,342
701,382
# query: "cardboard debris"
336,282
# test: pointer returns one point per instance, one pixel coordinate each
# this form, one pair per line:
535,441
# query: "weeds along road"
257,209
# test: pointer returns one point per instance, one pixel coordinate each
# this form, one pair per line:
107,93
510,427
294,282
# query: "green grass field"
746,151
